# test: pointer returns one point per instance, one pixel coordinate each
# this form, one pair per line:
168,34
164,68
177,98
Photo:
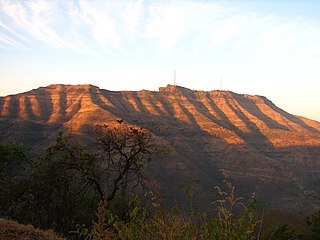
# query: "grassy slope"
12,230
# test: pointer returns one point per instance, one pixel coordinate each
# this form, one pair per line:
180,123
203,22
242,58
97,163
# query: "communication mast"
221,84
174,78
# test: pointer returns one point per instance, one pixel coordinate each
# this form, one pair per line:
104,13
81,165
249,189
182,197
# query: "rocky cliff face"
265,149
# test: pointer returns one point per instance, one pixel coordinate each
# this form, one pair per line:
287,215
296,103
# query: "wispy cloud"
168,23
101,23
114,26
131,16
108,23
13,32
35,19
9,41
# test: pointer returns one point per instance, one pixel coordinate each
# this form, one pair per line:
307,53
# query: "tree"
68,182
59,194
13,161
123,153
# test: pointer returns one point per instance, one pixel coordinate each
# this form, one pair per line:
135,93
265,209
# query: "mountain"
263,148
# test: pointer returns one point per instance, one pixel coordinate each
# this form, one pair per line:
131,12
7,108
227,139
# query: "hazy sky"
269,48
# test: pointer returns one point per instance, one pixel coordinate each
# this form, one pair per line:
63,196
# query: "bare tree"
123,153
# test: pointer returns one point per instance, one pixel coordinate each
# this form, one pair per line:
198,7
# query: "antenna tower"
221,84
174,78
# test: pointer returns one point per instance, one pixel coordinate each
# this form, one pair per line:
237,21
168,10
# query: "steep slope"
265,149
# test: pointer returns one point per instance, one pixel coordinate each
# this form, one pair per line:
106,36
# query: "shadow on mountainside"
254,138
250,107
291,117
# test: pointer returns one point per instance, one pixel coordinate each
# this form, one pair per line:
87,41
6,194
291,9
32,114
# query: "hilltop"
264,149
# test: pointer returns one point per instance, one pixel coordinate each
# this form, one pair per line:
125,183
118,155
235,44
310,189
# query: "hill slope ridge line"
208,109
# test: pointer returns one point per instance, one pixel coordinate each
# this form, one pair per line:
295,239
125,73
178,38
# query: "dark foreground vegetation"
11,230
98,192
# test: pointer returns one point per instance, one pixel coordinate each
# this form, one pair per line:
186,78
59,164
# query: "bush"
236,220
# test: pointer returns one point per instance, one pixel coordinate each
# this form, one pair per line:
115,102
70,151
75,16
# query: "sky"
263,47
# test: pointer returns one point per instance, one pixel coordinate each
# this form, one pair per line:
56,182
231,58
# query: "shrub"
236,220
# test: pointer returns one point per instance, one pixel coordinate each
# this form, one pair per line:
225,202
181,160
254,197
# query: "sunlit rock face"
263,148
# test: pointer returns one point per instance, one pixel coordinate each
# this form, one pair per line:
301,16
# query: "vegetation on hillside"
11,230
89,192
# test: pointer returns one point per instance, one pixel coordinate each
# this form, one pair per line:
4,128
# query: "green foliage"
12,156
236,219
284,232
70,179
294,232
141,222
13,161
64,186
58,195
153,221
314,223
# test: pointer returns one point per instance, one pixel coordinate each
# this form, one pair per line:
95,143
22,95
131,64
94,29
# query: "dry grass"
10,230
